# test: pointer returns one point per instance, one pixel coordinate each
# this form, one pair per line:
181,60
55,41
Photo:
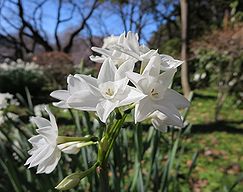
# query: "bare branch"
38,25
68,47
35,33
57,24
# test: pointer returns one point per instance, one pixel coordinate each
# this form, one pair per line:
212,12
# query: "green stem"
64,139
105,147
103,177
115,135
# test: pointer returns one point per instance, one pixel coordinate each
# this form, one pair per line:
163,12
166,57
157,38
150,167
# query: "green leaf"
194,160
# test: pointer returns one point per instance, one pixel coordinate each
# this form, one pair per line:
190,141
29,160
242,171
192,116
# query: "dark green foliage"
15,80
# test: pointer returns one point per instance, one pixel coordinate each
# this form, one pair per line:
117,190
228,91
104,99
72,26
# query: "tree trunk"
184,69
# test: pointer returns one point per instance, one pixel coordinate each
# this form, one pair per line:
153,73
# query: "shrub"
56,65
15,76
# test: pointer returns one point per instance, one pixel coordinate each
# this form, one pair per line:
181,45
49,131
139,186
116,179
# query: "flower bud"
70,181
73,180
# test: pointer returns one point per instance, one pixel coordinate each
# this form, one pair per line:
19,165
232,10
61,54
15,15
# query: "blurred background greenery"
44,41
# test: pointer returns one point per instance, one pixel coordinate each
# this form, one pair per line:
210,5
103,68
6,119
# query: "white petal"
73,147
97,59
69,147
143,109
83,100
61,104
153,67
131,95
40,121
168,62
121,38
120,85
104,109
42,155
88,79
176,99
146,58
35,139
133,42
135,78
60,94
166,77
52,119
90,84
128,52
159,123
76,84
172,113
127,66
49,133
144,49
102,51
33,154
107,72
50,163
149,54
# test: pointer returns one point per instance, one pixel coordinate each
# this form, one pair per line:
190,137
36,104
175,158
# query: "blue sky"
112,22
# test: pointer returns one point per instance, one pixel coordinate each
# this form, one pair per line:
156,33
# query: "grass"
203,105
220,144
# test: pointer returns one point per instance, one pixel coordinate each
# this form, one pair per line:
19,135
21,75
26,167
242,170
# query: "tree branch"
68,47
35,33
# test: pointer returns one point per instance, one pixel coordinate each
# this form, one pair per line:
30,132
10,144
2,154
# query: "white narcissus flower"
45,154
108,51
110,41
107,92
159,97
168,62
117,57
126,47
160,121
130,46
74,85
123,48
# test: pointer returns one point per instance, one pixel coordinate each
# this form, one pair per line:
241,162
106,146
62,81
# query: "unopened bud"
73,180
70,181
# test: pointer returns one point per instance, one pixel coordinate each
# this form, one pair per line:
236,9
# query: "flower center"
109,92
154,94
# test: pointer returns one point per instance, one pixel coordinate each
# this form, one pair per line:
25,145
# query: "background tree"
22,25
184,48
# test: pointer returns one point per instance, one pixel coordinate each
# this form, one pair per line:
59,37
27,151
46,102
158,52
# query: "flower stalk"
64,139
105,147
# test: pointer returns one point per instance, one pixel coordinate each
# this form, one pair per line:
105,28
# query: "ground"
220,144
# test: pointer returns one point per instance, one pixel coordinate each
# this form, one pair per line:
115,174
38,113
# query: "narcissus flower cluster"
131,76
149,93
